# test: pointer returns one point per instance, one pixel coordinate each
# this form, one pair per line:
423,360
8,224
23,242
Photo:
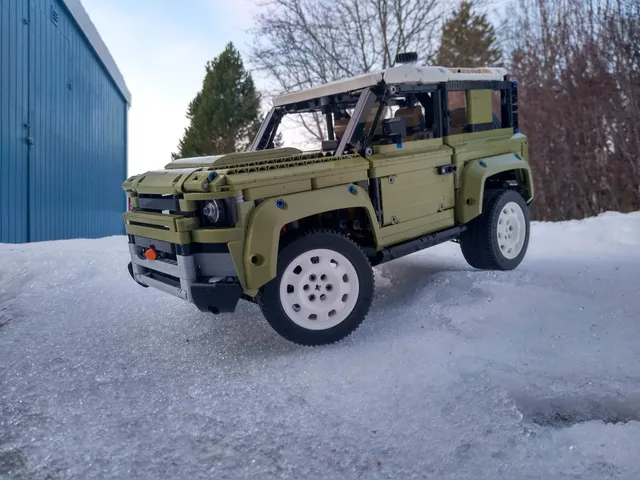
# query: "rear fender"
475,175
268,218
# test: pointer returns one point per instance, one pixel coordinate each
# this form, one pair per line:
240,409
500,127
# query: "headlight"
218,213
212,210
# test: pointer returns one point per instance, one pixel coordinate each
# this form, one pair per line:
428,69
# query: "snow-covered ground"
456,373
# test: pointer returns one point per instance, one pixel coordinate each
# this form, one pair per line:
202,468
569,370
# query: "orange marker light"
151,254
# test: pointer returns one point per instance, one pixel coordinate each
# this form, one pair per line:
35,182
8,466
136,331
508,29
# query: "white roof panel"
473,74
405,73
429,74
339,86
415,74
81,17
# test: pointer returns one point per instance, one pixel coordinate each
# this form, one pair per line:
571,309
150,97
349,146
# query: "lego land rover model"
298,232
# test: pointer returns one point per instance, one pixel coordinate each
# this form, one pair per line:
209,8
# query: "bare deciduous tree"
301,43
578,66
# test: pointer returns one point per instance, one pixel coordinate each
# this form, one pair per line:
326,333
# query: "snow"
456,373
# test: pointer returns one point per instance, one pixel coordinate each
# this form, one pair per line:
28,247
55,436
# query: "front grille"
170,250
159,227
159,203
164,227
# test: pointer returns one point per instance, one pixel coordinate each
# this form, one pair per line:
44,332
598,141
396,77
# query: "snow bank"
617,230
456,373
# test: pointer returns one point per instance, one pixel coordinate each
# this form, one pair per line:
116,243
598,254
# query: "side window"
411,117
496,107
458,108
419,114
474,110
414,121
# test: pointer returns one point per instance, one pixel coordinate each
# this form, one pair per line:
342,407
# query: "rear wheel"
498,239
322,292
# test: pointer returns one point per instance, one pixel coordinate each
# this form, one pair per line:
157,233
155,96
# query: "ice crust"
455,374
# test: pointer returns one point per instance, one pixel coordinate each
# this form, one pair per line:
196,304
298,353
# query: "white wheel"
511,230
322,291
499,237
319,289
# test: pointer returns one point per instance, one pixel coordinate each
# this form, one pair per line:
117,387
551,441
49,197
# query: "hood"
236,158
192,174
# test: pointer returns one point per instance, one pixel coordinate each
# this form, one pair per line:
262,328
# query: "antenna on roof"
407,57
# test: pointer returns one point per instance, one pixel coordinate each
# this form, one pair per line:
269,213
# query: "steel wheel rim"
319,289
511,230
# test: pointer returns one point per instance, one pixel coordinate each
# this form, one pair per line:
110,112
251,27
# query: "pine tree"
468,40
225,114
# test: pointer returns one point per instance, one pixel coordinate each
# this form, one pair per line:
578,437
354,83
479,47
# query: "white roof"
339,86
89,30
405,73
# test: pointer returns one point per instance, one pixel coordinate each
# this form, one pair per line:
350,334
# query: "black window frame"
381,95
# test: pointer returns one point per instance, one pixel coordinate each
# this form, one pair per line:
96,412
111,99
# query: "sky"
161,49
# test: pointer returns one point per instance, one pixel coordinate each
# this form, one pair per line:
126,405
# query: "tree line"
577,63
578,66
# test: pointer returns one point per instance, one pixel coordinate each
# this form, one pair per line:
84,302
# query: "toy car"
298,232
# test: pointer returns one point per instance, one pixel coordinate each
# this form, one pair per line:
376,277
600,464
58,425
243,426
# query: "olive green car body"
273,188
416,202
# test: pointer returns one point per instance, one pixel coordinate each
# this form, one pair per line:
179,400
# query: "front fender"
268,218
474,176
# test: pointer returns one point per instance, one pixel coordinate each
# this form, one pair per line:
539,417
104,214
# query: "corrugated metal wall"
14,74
64,121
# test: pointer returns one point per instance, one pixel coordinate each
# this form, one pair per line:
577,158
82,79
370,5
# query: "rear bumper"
205,279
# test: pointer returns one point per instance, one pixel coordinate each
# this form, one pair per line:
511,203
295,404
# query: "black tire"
479,243
269,298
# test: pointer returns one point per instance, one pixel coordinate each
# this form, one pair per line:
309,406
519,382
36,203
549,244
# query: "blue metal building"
63,125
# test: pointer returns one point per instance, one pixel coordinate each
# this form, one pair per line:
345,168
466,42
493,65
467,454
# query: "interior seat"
339,126
458,121
414,119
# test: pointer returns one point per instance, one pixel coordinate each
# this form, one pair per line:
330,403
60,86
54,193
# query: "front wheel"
498,239
322,292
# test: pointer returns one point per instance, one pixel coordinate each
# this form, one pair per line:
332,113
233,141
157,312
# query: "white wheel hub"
319,289
512,229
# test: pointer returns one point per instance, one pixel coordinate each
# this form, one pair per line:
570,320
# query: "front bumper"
206,280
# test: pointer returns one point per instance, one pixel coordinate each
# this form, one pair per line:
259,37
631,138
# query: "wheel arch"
480,174
264,230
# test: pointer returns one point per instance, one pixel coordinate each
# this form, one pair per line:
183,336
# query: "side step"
417,244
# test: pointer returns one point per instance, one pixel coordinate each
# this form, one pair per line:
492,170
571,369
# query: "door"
415,180
417,197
